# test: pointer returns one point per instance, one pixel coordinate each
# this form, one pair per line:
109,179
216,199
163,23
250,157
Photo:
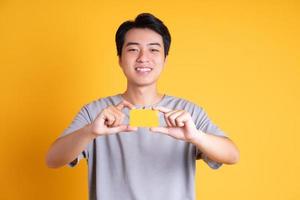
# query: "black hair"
143,20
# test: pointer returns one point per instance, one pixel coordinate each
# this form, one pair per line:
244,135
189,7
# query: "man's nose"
143,56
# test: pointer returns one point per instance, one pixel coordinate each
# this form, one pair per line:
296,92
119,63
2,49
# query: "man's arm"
67,148
180,125
217,148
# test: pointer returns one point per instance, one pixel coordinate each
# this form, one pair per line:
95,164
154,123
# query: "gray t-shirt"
142,165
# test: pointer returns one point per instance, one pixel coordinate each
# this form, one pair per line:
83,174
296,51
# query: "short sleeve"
205,124
81,119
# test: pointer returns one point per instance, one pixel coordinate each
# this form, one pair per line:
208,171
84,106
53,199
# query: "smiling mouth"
143,69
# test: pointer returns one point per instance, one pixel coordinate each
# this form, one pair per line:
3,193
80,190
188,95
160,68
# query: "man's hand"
179,122
109,121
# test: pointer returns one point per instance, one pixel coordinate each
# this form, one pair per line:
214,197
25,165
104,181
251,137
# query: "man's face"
142,57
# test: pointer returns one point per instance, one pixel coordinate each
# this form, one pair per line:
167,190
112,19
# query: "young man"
155,163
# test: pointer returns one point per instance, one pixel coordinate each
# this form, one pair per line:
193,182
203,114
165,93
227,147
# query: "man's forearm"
217,148
67,148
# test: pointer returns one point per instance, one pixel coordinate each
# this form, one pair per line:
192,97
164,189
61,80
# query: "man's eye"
132,49
154,50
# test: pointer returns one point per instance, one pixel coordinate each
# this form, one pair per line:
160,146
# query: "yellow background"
240,61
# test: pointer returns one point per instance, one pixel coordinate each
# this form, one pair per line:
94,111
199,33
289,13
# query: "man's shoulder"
101,102
183,102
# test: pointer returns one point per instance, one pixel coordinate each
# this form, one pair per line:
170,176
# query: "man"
156,163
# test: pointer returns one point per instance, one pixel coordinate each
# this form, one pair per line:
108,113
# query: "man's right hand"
109,121
67,148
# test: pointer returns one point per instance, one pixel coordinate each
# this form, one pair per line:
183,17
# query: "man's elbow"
50,162
233,154
234,157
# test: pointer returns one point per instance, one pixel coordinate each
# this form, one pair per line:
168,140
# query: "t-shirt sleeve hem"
211,163
75,162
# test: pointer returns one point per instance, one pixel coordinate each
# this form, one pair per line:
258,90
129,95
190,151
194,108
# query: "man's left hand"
179,124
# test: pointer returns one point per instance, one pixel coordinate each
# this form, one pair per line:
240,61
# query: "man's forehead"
145,36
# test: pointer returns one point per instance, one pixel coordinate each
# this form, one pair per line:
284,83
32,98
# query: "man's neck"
142,95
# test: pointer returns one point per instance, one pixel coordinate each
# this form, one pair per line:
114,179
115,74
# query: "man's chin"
143,84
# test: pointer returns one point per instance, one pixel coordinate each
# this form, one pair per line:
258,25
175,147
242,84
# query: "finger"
121,128
118,112
108,117
119,116
117,121
172,117
168,117
162,109
123,104
160,129
167,121
182,119
131,128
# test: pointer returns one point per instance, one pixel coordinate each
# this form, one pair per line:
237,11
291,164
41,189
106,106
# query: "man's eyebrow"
155,43
132,43
136,43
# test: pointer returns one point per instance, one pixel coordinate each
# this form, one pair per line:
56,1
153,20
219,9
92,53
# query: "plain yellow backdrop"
238,60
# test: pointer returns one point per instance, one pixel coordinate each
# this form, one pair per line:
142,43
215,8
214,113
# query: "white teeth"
143,69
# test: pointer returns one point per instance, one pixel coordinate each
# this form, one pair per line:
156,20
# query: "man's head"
143,20
142,46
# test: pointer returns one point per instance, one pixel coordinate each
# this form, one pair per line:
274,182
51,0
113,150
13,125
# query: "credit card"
143,118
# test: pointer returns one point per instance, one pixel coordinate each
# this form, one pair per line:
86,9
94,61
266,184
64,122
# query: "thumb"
121,128
160,129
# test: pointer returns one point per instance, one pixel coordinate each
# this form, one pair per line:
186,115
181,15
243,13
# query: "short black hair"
143,20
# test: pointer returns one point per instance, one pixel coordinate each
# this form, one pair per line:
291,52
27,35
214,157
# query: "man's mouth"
143,69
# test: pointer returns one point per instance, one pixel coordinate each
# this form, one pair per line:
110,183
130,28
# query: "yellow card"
144,118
